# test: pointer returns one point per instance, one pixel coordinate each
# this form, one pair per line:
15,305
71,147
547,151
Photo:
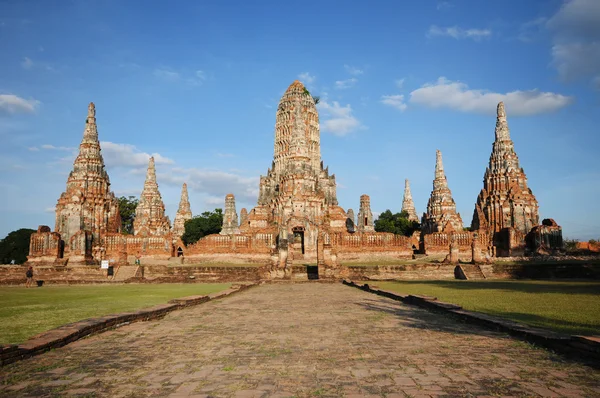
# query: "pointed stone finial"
151,172
91,110
407,203
184,213
502,131
440,176
230,217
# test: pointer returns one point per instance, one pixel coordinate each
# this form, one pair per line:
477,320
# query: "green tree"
209,222
127,208
396,223
15,246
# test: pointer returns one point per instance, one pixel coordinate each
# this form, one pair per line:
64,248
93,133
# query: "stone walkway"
309,339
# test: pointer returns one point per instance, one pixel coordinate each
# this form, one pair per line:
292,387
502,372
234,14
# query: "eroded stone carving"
407,203
184,213
230,217
150,218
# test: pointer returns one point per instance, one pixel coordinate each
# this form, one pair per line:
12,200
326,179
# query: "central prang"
297,196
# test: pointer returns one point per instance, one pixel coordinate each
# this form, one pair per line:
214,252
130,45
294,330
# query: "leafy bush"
15,246
209,222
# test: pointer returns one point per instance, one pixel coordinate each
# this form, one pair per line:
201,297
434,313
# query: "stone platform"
304,339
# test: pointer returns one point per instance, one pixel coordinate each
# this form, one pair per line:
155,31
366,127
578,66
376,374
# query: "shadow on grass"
543,322
565,287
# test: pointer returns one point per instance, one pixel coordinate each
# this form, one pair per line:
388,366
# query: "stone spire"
407,203
184,213
441,215
150,218
350,221
230,218
505,200
88,204
365,216
297,136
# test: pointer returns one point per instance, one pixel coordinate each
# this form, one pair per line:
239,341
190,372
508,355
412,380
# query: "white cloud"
342,84
33,149
456,95
214,183
119,155
353,70
576,40
443,5
399,83
529,31
27,63
458,33
167,74
11,103
396,101
307,78
50,209
200,75
341,121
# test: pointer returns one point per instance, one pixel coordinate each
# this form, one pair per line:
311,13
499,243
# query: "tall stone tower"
505,200
88,204
150,216
407,203
230,217
297,197
441,215
365,216
184,213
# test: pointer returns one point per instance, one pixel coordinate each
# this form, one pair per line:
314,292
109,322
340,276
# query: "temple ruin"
297,219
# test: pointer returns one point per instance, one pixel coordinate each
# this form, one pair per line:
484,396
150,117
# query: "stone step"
124,272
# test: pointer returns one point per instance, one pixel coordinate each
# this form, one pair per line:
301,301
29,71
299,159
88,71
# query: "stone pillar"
454,250
408,205
476,257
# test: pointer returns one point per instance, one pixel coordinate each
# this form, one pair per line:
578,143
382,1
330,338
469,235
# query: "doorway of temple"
298,243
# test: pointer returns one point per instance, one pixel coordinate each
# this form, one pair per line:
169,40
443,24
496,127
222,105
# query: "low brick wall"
535,270
402,272
161,273
582,348
74,331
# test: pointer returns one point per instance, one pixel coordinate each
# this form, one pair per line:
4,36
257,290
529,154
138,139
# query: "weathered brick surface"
304,340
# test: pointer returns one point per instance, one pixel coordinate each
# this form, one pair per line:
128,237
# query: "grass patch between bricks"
27,312
563,306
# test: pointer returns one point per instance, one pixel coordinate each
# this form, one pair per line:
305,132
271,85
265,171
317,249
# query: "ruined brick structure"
365,216
297,217
230,217
408,205
86,210
150,218
506,208
184,213
441,215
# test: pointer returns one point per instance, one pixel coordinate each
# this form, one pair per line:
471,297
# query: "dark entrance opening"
312,271
61,248
299,236
179,252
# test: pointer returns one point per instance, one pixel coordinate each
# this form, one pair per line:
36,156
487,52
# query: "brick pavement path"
283,340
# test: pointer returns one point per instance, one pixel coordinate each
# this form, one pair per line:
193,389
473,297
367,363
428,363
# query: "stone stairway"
124,272
472,271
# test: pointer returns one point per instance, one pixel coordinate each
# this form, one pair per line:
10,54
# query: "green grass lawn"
566,307
27,312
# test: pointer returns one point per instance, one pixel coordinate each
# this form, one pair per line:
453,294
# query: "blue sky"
196,84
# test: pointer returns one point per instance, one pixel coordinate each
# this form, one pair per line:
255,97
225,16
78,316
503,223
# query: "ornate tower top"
505,200
184,213
441,215
88,183
407,203
297,136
